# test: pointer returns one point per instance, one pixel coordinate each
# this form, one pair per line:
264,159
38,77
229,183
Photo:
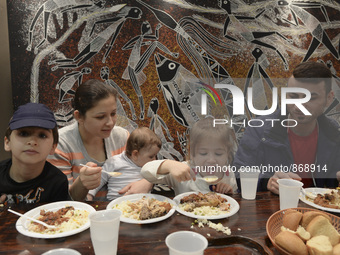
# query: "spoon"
211,179
32,219
114,174
311,195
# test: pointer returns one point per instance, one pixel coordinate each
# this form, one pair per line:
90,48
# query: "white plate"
136,197
23,223
234,207
317,191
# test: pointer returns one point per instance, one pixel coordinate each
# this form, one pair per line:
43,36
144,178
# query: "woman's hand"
272,184
142,186
223,188
90,176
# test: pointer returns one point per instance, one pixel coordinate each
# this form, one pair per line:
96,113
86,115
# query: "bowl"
274,224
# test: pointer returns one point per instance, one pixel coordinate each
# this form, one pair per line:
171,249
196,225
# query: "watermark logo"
204,100
239,104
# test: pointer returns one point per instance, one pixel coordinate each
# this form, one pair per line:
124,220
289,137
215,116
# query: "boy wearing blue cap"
27,177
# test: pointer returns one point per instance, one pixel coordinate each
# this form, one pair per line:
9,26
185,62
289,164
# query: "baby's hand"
223,188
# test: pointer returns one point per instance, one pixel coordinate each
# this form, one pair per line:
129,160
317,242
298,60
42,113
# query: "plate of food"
70,217
143,208
325,199
209,206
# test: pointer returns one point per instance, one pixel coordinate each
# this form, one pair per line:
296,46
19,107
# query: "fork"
32,219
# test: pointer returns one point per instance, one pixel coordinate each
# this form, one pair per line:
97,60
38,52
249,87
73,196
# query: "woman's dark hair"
314,72
90,93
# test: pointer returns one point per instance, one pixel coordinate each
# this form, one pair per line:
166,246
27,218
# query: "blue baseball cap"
32,115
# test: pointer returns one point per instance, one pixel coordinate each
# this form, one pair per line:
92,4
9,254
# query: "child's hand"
3,198
141,186
89,197
338,177
223,188
179,170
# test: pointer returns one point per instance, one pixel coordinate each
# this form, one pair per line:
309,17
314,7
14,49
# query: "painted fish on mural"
181,90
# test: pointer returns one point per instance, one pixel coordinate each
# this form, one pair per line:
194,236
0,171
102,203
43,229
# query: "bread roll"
303,234
322,226
291,243
336,249
308,216
319,245
291,219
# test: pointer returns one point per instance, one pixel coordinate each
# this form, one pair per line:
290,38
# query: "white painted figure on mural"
51,6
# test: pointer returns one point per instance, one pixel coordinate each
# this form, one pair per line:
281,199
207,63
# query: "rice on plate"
65,219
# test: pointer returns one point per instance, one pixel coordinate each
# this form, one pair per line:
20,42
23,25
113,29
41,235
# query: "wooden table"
145,239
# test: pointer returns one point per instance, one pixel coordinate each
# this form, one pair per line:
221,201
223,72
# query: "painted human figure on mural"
104,74
332,108
152,113
51,6
100,40
157,124
256,75
137,62
62,118
312,23
246,34
66,83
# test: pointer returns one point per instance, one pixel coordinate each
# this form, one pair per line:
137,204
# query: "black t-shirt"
50,186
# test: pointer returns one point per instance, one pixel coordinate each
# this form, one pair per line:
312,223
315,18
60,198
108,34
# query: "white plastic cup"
249,179
186,243
289,192
104,229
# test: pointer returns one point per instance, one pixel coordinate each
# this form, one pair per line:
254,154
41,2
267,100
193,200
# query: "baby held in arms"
142,146
207,167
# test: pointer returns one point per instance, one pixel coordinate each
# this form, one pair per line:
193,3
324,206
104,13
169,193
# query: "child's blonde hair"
205,128
141,137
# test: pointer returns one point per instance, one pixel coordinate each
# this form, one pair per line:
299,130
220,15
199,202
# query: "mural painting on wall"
163,55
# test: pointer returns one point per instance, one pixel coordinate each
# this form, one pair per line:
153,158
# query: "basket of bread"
304,231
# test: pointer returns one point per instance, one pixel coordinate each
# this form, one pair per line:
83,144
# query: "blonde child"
211,151
142,146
